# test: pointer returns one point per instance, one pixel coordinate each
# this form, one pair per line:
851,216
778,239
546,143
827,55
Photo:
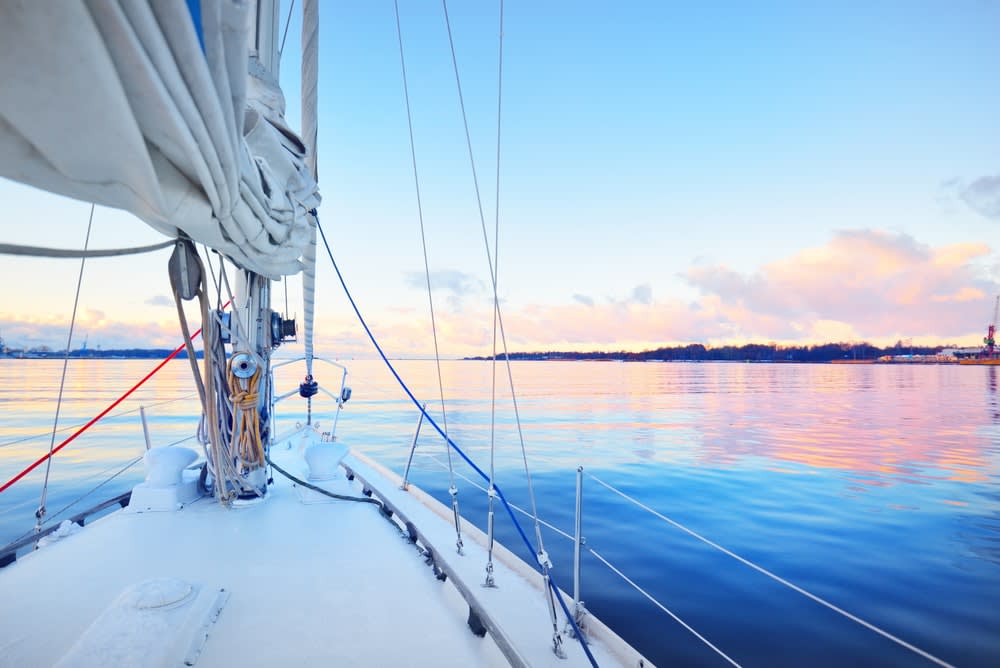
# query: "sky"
669,173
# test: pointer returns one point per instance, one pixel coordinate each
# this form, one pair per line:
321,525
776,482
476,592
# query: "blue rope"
402,384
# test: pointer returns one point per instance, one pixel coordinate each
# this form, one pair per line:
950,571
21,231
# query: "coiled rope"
243,393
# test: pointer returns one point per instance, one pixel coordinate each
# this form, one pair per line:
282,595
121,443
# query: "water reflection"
991,392
877,479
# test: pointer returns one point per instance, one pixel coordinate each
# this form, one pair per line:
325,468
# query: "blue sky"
669,173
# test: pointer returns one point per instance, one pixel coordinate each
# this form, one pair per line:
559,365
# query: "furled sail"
148,107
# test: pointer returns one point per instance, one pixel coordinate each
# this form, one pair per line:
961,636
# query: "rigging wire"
110,417
615,570
120,471
496,247
516,507
409,393
132,462
284,35
453,488
40,513
38,462
498,317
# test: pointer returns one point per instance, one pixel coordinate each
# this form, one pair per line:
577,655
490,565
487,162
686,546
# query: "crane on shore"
989,343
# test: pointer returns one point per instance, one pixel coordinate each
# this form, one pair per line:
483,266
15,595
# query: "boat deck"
298,579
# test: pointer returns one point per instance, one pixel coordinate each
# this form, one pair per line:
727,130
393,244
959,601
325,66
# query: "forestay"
148,108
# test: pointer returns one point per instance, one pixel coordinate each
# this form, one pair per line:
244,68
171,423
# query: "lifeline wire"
40,513
777,578
452,489
606,563
465,458
110,417
663,608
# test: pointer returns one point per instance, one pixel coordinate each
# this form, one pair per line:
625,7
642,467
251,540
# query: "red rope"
107,410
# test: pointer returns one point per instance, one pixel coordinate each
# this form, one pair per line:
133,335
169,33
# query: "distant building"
961,353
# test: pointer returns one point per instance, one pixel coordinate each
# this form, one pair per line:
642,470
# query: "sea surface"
874,487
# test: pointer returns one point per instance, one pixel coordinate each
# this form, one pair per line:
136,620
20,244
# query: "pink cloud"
862,284
876,284
93,326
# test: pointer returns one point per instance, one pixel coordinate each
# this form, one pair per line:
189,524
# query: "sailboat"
263,548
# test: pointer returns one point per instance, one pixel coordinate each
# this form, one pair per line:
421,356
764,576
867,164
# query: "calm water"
873,486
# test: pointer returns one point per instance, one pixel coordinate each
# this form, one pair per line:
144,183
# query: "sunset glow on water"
874,486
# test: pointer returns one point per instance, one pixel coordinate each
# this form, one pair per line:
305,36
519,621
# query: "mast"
258,329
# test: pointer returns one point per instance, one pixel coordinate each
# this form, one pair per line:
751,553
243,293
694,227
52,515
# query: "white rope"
452,489
40,513
72,253
663,608
760,569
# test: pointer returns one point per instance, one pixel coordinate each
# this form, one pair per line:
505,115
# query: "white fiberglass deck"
310,581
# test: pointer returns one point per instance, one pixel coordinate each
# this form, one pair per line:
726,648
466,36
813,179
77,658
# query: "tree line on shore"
750,352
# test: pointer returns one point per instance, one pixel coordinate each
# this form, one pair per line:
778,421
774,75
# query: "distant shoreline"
838,353
851,353
128,354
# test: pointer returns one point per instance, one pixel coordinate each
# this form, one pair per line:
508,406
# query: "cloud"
865,283
160,300
860,284
983,196
642,294
458,283
21,332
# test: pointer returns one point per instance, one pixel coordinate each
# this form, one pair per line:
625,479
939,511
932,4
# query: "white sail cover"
144,106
